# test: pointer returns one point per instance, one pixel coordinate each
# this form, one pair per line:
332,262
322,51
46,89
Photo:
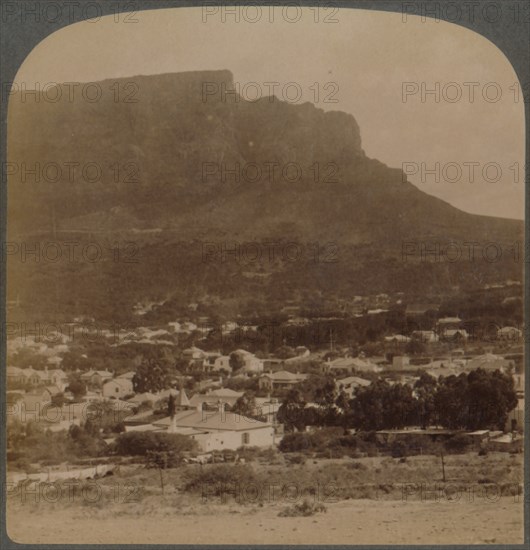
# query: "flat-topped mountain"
171,161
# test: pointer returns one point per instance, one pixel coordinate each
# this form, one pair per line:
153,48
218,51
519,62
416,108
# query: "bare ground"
347,522
133,509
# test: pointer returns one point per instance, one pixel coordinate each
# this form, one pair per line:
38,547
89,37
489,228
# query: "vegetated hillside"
151,162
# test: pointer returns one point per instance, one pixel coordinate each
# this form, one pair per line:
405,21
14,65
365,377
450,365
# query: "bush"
296,459
248,453
321,441
141,443
302,509
356,466
457,444
216,480
398,449
295,442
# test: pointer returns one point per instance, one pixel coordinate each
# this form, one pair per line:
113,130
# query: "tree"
290,413
415,347
153,375
58,400
245,405
474,401
425,389
171,406
343,404
236,361
76,386
325,397
399,405
490,396
367,406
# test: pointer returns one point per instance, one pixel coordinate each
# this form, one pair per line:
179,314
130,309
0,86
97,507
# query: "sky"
463,143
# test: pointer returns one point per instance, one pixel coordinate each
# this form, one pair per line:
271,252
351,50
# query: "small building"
425,336
211,400
490,361
215,362
397,339
350,365
218,430
508,443
281,380
349,384
119,388
510,334
400,362
59,378
421,308
251,363
455,335
15,375
33,377
96,377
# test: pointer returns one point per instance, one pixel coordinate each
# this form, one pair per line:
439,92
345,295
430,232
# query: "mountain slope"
168,167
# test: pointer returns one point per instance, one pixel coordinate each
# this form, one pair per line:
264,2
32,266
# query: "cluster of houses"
33,378
453,329
206,416
204,361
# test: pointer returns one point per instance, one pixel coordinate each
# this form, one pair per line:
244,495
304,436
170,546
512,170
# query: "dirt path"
347,522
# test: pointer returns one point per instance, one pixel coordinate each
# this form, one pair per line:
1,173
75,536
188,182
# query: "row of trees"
477,400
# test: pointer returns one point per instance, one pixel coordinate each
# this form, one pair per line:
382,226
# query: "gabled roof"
242,352
88,374
422,307
488,360
397,338
57,372
455,331
141,397
509,330
353,381
182,399
353,363
225,392
285,376
128,375
194,349
30,371
212,421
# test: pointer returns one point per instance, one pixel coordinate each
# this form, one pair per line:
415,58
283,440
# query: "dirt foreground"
346,522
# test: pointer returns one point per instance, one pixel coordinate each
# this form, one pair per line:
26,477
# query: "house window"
245,438
117,390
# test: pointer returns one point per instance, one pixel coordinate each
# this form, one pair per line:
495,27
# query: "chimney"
173,425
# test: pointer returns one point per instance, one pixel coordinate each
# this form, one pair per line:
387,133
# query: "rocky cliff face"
175,154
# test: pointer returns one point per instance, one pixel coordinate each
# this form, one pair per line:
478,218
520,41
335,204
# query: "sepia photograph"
263,273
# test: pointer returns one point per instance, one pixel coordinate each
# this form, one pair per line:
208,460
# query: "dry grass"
194,489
